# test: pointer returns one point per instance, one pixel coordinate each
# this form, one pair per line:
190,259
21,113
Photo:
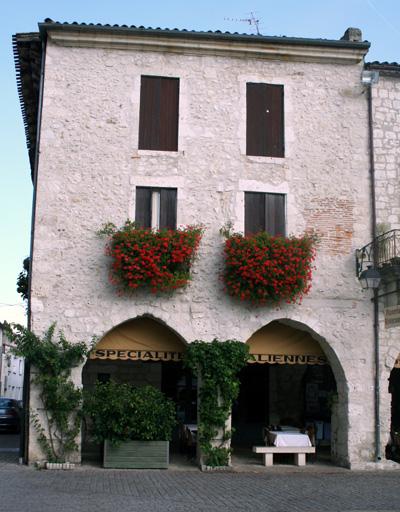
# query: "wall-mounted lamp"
369,77
370,279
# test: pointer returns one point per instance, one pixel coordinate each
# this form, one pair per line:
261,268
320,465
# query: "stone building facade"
385,112
88,169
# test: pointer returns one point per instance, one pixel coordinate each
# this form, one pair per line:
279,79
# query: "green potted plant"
135,424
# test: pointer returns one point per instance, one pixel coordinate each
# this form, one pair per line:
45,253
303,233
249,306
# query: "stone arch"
340,419
330,353
143,350
144,337
149,316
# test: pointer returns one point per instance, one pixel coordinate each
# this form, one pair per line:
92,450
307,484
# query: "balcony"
383,253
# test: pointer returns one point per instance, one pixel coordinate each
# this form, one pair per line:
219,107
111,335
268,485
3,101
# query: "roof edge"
48,24
27,57
384,68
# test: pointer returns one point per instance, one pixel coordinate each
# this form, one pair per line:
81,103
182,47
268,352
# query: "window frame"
278,196
158,119
262,139
155,213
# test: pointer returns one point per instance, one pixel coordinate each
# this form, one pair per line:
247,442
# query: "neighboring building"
11,369
173,128
385,114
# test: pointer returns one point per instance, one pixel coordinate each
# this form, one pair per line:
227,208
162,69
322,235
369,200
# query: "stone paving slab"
90,489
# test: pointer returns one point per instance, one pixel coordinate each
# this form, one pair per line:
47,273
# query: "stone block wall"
90,166
386,132
386,115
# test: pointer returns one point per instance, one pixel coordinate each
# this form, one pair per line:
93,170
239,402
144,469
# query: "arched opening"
290,386
142,351
393,448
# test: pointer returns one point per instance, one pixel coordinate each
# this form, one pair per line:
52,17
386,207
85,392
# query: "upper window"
264,212
159,111
264,128
156,207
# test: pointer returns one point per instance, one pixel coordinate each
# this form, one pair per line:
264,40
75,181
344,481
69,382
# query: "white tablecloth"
282,438
192,427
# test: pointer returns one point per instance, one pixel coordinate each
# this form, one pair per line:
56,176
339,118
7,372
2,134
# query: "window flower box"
265,269
159,260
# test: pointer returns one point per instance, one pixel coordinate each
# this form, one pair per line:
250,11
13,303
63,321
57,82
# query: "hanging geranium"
145,258
268,269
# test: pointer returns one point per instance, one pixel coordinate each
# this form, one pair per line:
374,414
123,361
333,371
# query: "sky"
379,21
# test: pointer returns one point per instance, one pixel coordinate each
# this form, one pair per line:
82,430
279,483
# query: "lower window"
264,212
156,207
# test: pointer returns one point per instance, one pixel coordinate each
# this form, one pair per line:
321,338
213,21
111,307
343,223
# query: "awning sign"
135,355
289,359
141,339
278,343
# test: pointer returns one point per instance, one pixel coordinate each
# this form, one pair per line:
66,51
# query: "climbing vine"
52,358
217,365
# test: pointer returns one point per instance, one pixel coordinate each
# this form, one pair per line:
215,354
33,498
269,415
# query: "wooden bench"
298,451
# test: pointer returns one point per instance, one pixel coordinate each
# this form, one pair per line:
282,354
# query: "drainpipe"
368,79
24,440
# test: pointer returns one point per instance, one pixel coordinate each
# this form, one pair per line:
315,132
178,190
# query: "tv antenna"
251,20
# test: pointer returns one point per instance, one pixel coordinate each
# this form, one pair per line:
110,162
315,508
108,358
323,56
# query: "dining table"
288,438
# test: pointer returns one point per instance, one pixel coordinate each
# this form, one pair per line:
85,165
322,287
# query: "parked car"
10,414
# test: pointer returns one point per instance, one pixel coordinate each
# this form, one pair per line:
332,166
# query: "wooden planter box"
137,455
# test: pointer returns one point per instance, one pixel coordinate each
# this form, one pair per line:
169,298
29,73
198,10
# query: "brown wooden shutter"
159,111
275,214
168,208
254,212
264,127
143,207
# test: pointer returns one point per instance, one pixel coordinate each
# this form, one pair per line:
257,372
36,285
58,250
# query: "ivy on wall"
217,365
52,359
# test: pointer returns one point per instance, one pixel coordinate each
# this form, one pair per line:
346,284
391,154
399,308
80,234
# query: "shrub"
120,412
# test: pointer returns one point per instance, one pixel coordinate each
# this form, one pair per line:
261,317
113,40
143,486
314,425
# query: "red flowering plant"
266,269
148,258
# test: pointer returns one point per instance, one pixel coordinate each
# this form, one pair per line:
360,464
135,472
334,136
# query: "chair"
183,440
310,431
266,436
191,440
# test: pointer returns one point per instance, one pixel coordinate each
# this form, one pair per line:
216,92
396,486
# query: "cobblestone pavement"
94,489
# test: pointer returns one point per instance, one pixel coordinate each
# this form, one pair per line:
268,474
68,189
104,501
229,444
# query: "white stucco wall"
90,165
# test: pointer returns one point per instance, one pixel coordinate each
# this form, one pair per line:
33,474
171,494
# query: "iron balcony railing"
387,252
